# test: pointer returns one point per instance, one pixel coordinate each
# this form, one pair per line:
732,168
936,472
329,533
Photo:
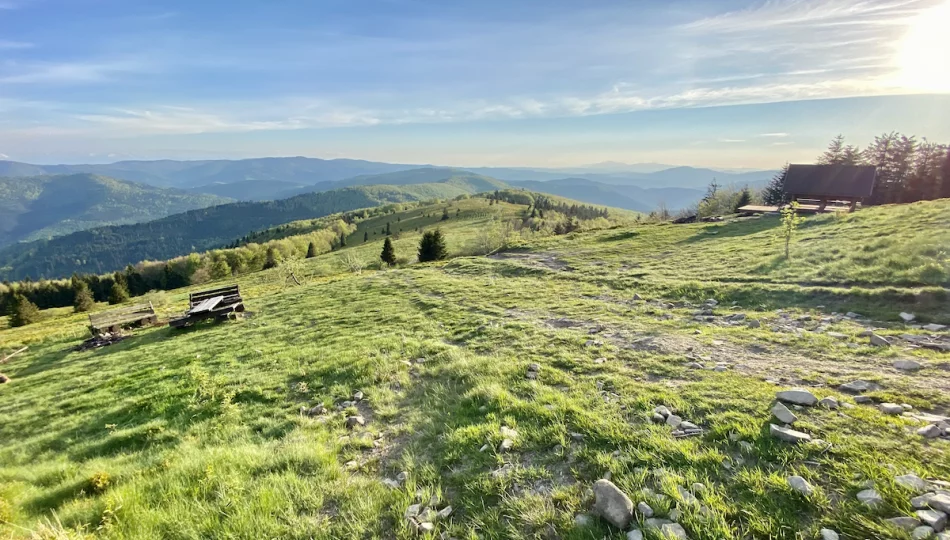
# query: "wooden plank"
206,305
200,296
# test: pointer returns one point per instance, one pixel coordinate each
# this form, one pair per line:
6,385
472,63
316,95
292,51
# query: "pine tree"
23,312
366,236
774,192
445,214
745,198
118,294
388,255
342,240
271,259
388,228
82,297
311,250
834,155
432,246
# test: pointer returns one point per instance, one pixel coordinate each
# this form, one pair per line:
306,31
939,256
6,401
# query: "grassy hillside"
38,207
199,433
105,249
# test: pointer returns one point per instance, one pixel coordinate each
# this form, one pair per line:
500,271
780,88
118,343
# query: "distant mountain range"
35,207
104,249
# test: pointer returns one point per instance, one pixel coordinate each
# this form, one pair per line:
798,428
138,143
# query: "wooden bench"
116,319
212,304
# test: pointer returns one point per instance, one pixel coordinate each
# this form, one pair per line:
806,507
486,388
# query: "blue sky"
555,83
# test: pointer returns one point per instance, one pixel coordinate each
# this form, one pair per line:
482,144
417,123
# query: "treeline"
106,249
908,169
193,269
545,214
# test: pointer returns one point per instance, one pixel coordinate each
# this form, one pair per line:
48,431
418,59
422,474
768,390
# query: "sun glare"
924,55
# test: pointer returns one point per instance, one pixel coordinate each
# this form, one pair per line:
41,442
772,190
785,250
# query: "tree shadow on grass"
732,229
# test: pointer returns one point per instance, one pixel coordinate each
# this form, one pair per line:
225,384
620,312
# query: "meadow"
207,432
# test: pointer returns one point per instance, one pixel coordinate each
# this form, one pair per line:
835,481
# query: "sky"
722,83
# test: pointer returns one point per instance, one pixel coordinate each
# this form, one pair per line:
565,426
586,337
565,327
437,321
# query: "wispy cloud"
777,135
69,72
5,44
731,140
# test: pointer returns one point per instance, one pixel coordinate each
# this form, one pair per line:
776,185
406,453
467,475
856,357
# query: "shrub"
432,247
83,300
22,311
118,293
99,482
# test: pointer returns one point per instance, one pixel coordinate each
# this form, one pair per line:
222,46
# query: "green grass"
197,433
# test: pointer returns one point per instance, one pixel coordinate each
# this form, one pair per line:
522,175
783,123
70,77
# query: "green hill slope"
502,386
43,206
105,249
469,181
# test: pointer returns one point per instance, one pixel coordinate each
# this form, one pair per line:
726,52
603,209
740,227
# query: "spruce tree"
388,255
342,240
82,297
388,229
118,293
271,259
22,311
745,198
366,236
432,247
311,250
774,192
445,214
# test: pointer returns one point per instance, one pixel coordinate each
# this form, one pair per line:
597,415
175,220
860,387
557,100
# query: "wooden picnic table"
115,320
211,304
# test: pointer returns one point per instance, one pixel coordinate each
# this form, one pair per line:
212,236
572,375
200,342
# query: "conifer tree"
118,293
342,239
388,228
445,214
366,236
82,297
271,260
745,198
432,246
388,255
311,250
22,311
774,192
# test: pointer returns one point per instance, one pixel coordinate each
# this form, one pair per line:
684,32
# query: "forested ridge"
105,249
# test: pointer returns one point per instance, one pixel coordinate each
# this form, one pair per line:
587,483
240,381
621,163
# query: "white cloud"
776,135
4,156
6,44
732,140
70,72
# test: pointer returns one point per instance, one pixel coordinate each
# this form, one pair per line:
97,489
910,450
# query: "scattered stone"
412,511
583,520
635,534
688,497
870,497
930,432
907,365
531,375
390,483
788,435
800,485
753,323
941,502
673,421
856,387
922,532
673,530
911,482
852,315
612,504
534,367
934,327
934,519
658,418
921,502
663,411
891,408
835,335
828,534
907,317
782,414
797,396
905,523
358,396
317,410
445,513
484,448
353,421
694,365
637,296
506,445
862,399
645,509
688,426
879,341
829,403
402,477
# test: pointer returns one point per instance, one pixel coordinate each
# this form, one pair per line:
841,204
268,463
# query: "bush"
83,300
99,482
118,293
432,247
22,311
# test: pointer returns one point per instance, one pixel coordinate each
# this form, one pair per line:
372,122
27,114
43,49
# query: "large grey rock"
800,485
935,519
907,365
870,497
645,509
788,435
662,410
612,504
797,396
782,414
905,523
828,534
911,482
674,530
906,317
922,502
829,403
354,421
856,387
922,533
635,534
891,408
940,502
879,341
673,421
934,327
931,431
